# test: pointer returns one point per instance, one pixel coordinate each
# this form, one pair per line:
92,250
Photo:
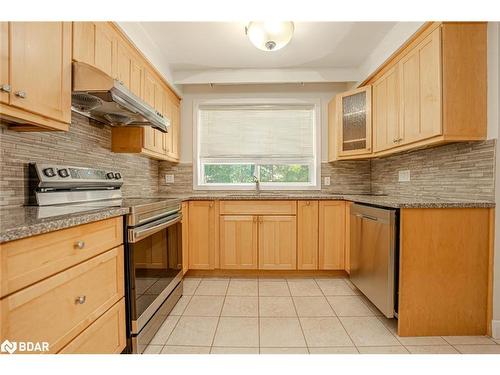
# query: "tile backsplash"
86,144
346,177
458,170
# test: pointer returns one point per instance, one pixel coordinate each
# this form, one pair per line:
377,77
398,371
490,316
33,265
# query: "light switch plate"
169,178
327,181
404,176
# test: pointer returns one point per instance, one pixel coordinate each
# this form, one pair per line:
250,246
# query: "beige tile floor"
291,316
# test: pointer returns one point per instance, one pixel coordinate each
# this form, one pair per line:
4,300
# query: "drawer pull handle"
20,94
80,300
5,88
80,244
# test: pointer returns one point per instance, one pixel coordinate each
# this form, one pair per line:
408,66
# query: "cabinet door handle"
308,203
20,94
80,300
211,204
5,88
80,244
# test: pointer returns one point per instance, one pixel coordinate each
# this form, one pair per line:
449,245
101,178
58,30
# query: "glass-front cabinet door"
354,122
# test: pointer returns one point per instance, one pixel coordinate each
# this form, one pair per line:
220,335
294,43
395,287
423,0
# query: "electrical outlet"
327,181
404,176
169,178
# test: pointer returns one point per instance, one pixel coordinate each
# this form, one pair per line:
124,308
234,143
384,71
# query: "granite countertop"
376,200
21,222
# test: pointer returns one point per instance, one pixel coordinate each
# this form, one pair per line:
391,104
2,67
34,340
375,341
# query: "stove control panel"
49,175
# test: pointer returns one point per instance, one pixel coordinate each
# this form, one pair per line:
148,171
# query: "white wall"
324,92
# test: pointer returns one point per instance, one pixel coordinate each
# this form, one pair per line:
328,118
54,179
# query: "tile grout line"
338,318
258,313
218,319
298,318
180,316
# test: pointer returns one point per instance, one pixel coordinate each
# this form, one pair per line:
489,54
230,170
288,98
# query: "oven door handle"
137,234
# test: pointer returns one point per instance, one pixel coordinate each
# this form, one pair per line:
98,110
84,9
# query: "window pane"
284,173
228,173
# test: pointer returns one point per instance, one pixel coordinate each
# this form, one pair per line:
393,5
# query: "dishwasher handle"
368,217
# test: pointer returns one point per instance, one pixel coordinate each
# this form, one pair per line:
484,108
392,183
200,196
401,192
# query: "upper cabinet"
28,51
432,91
420,91
386,111
354,122
102,45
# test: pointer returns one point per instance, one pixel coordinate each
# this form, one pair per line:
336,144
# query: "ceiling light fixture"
269,36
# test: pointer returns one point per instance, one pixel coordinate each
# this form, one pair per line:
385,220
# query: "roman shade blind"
256,132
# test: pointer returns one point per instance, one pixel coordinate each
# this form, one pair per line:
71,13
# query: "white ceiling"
208,45
220,52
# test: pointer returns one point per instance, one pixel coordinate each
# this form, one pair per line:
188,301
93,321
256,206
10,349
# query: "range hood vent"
102,98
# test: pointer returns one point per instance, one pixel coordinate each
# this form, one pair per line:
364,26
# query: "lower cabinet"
185,237
265,235
106,335
203,235
307,235
277,243
238,242
332,235
72,297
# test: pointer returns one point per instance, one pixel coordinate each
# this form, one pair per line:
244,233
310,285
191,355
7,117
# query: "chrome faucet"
257,184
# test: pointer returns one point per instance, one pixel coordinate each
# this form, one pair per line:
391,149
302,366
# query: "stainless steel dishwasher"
373,255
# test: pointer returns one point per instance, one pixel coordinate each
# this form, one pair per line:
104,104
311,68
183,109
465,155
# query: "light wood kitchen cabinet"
185,237
106,335
277,243
386,111
58,308
31,50
203,235
105,48
94,43
102,45
353,111
420,93
25,261
147,140
347,252
307,235
445,271
129,69
238,241
66,287
432,91
331,235
4,63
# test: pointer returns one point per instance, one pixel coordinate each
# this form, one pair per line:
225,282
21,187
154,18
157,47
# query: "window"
275,142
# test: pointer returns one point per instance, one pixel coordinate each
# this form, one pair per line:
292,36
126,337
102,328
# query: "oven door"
154,257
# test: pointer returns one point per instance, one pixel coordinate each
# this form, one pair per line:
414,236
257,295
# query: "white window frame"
315,181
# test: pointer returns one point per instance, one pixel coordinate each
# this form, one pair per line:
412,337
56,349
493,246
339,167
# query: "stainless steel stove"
152,238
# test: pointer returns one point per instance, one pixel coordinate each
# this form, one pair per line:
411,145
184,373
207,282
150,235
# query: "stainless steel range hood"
98,96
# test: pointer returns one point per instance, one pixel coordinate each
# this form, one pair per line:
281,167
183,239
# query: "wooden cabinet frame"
339,111
459,83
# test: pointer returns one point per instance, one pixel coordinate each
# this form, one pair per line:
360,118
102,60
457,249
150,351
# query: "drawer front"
27,261
50,311
105,336
258,207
